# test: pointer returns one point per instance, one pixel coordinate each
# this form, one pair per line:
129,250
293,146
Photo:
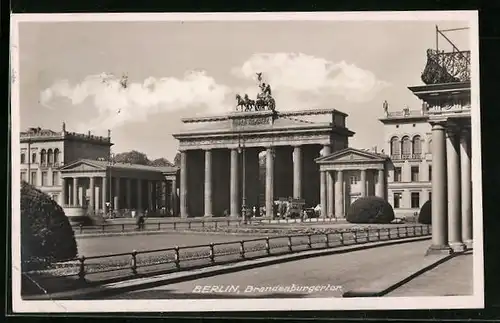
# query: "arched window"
23,158
417,145
395,148
406,146
56,156
43,157
50,157
33,158
430,146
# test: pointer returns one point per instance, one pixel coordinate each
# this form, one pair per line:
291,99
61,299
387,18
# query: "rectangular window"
354,180
55,179
23,158
430,173
44,179
33,178
397,200
23,176
415,200
414,174
397,174
33,158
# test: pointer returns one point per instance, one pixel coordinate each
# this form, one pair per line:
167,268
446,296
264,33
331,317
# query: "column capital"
438,124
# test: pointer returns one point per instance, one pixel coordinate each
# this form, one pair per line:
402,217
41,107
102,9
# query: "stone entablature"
41,135
262,129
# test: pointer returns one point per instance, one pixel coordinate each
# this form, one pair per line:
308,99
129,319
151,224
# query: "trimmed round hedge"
370,209
46,234
425,215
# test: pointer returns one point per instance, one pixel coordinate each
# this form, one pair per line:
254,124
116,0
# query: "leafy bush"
46,234
425,215
370,209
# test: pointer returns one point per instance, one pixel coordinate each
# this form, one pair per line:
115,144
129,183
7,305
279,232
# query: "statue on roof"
386,107
264,100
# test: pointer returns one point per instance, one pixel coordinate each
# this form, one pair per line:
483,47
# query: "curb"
109,290
384,286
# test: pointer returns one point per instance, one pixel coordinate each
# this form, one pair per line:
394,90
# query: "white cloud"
318,77
118,105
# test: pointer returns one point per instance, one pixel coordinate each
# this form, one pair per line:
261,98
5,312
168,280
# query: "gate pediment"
82,166
351,155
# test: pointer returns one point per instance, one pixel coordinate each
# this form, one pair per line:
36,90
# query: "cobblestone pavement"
333,274
452,278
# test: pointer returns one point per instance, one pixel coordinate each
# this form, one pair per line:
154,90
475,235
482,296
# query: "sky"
71,71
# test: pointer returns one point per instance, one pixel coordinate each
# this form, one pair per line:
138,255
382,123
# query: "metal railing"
173,259
151,225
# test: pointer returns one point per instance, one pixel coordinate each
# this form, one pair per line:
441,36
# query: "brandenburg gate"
219,171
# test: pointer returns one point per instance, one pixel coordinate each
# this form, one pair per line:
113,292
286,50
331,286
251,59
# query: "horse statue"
249,103
241,104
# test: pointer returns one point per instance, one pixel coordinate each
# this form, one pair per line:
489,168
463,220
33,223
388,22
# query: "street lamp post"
241,151
110,204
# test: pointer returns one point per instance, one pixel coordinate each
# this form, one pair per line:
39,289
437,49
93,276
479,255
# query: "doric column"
183,186
380,185
323,194
150,195
466,185
208,183
339,195
139,195
75,191
62,197
104,188
331,194
117,205
363,183
173,197
454,192
92,193
129,193
269,182
297,172
439,194
234,188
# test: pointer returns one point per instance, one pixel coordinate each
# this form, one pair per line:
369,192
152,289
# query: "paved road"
333,274
452,278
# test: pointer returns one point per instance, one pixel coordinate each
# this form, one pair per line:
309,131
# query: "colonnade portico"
340,172
228,157
448,106
96,184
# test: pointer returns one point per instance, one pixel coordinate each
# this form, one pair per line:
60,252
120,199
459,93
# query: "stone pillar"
363,183
323,194
173,197
183,186
62,197
129,193
117,205
339,195
297,172
104,188
75,191
269,182
439,195
380,185
208,183
331,194
466,185
150,195
454,192
92,194
139,195
234,188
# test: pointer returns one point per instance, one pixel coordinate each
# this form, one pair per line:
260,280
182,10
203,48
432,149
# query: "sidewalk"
452,278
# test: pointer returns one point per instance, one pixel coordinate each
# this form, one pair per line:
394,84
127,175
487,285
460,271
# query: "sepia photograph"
246,162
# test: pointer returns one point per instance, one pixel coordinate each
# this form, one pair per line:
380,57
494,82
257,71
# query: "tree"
132,157
46,234
425,215
160,162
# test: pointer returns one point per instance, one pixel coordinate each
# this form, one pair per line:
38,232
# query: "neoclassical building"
219,168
